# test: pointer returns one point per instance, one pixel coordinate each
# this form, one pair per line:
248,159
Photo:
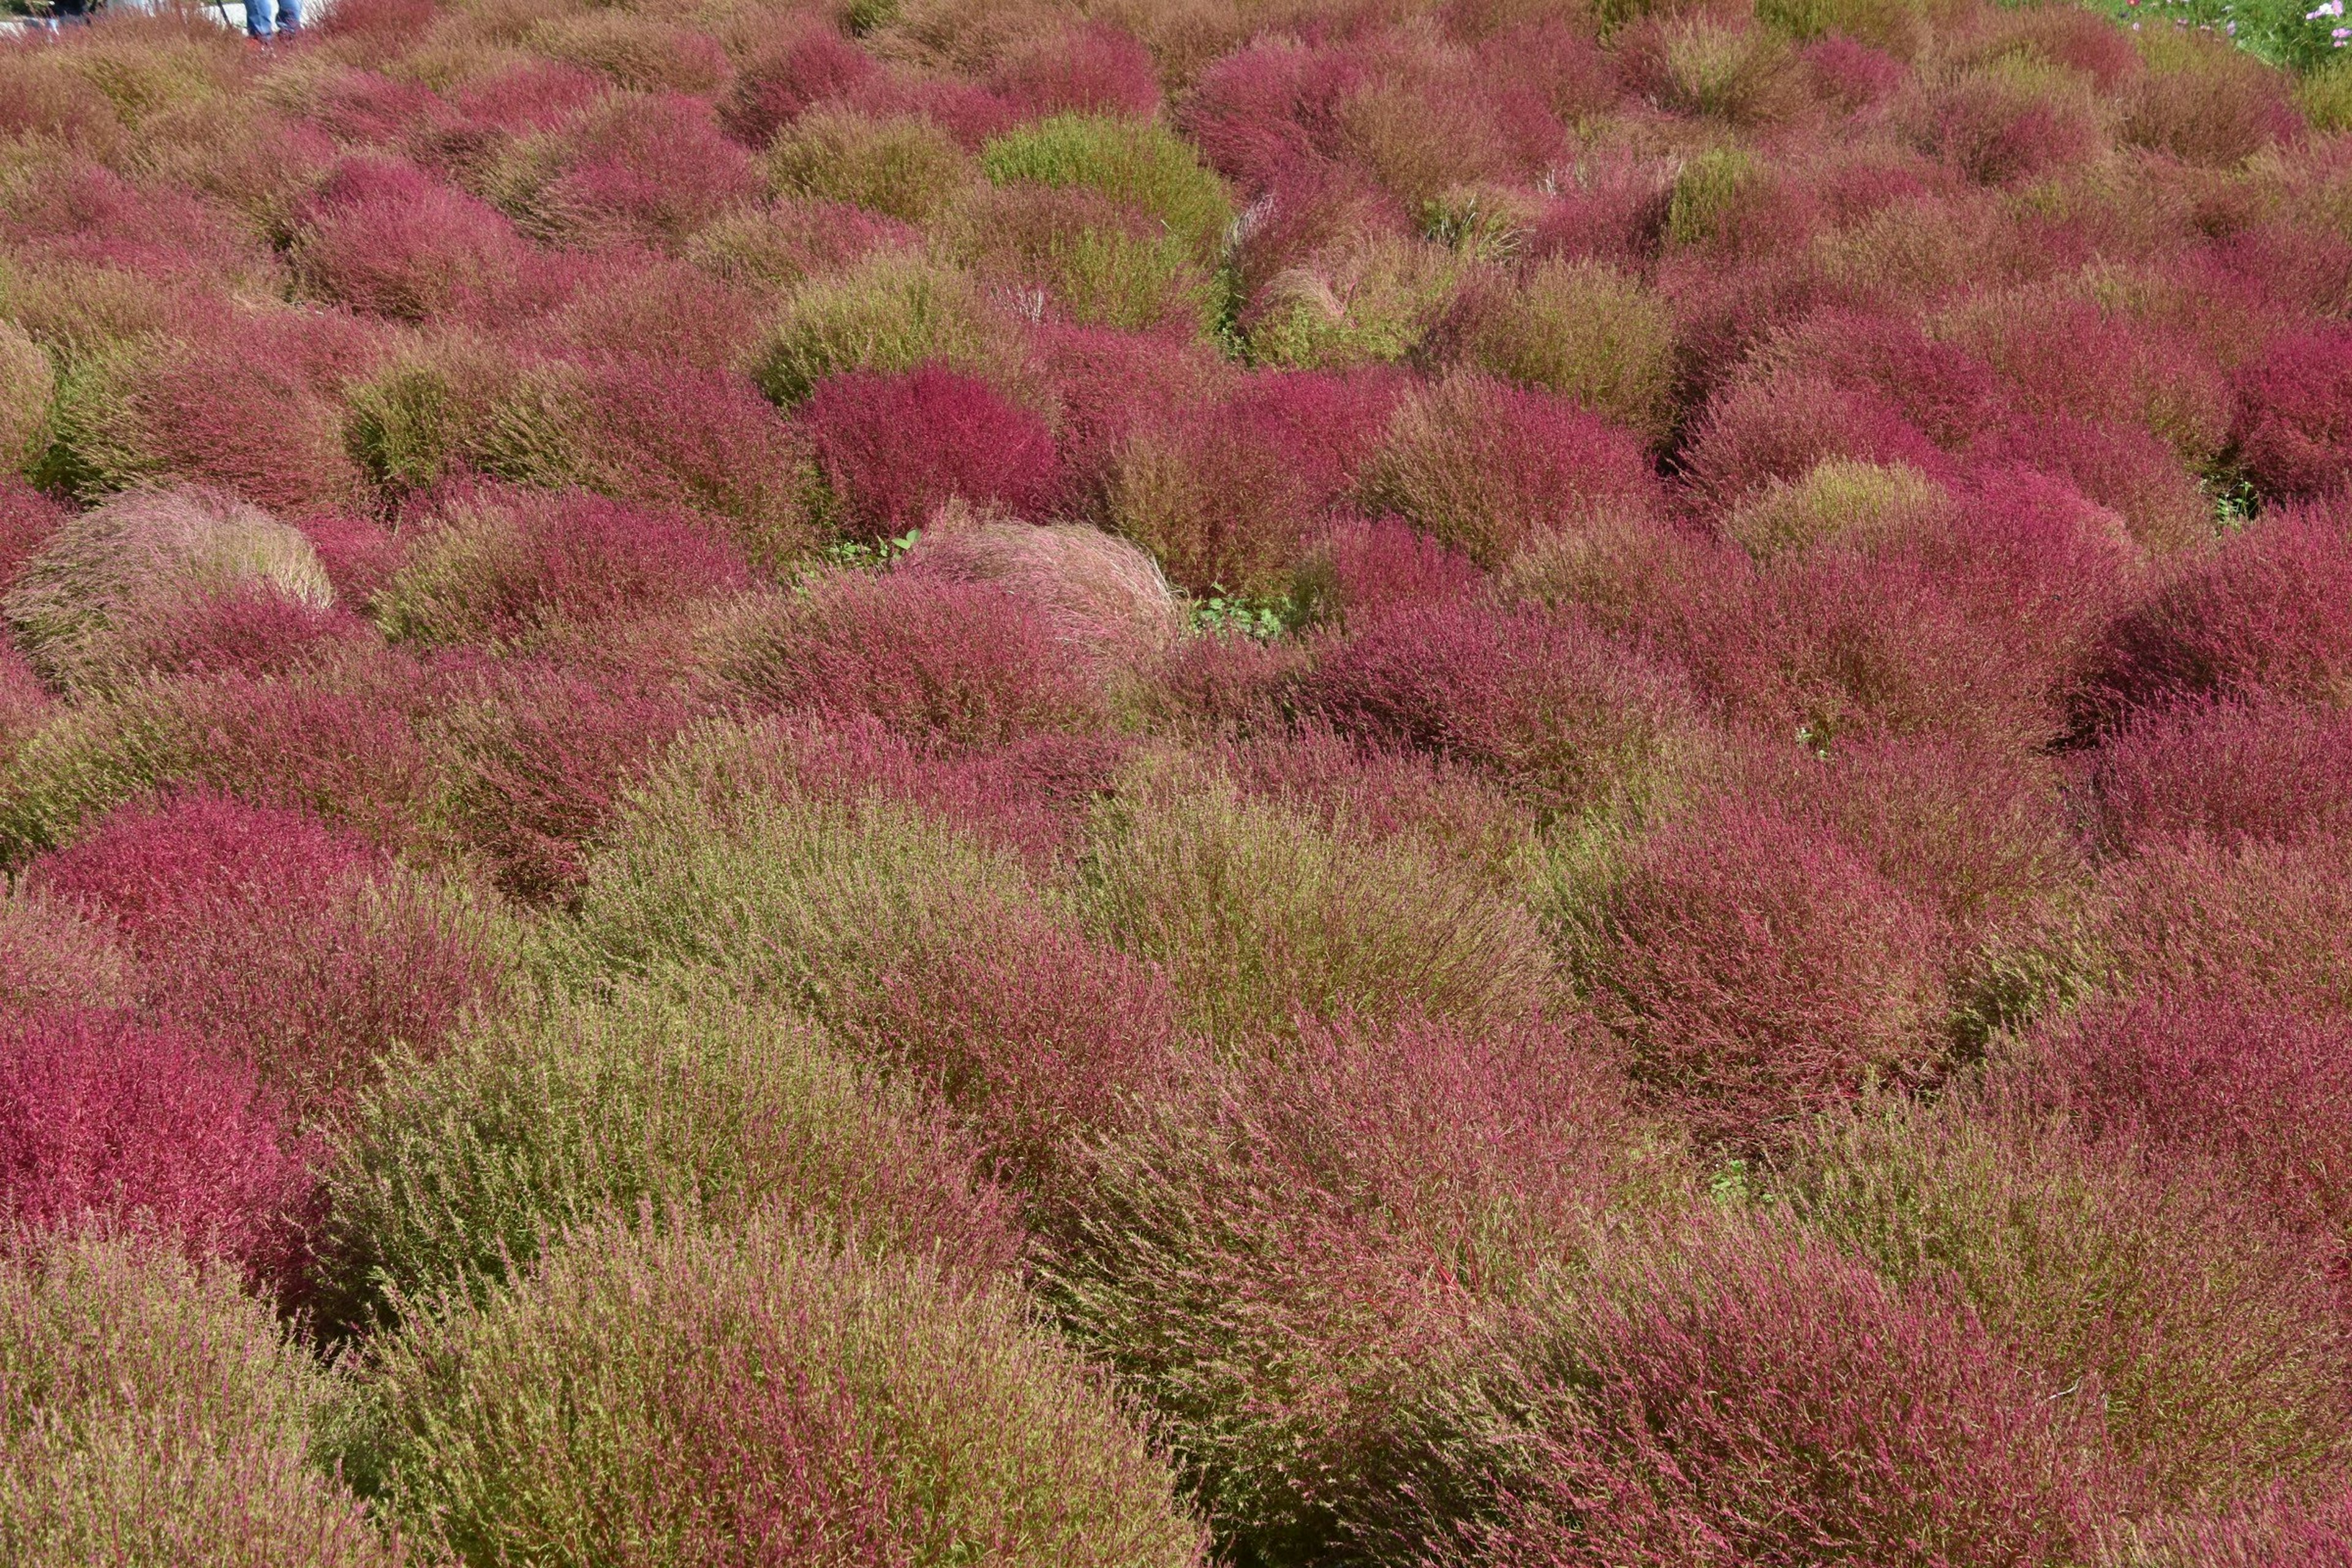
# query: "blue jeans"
267,18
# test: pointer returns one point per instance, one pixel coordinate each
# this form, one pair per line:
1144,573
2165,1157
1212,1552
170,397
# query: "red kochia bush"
1227,493
894,446
2293,427
1948,393
2270,612
2263,1092
785,77
142,1125
2231,772
545,758
513,561
1779,428
967,662
1759,969
2121,467
275,939
27,519
1539,699
1763,1398
1036,1031
145,865
1363,570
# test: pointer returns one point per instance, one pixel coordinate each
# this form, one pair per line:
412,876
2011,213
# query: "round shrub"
499,565
101,1117
784,77
1227,494
1102,597
2269,611
247,405
1484,467
534,766
1259,916
280,941
1783,427
1581,330
1363,569
107,575
648,169
971,663
1759,970
451,1174
642,53
150,1411
1839,502
906,169
2130,1271
657,435
1760,1396
1094,261
1090,69
909,935
1540,700
1274,1260
1133,161
2228,772
384,238
890,313
695,1398
2293,426
2264,920
2123,467
893,448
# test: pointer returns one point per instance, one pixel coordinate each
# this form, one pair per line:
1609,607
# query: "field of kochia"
1152,784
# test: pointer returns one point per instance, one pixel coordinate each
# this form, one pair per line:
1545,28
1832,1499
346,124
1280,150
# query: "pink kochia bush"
1541,699
141,1125
893,447
1757,969
967,662
1763,1398
2265,1094
2228,772
282,942
2269,611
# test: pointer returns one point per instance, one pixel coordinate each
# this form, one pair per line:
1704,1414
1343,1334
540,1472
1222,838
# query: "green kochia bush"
1132,162
459,1168
695,1399
1259,913
891,313
151,1413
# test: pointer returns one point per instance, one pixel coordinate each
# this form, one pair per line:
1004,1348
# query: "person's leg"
290,17
260,18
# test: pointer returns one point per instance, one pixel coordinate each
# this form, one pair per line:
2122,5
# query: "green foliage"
891,313
1840,502
1239,615
421,418
1588,331
1705,190
856,554
1368,303
906,168
1139,162
151,1413
2281,32
1257,913
693,1399
27,386
688,1108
